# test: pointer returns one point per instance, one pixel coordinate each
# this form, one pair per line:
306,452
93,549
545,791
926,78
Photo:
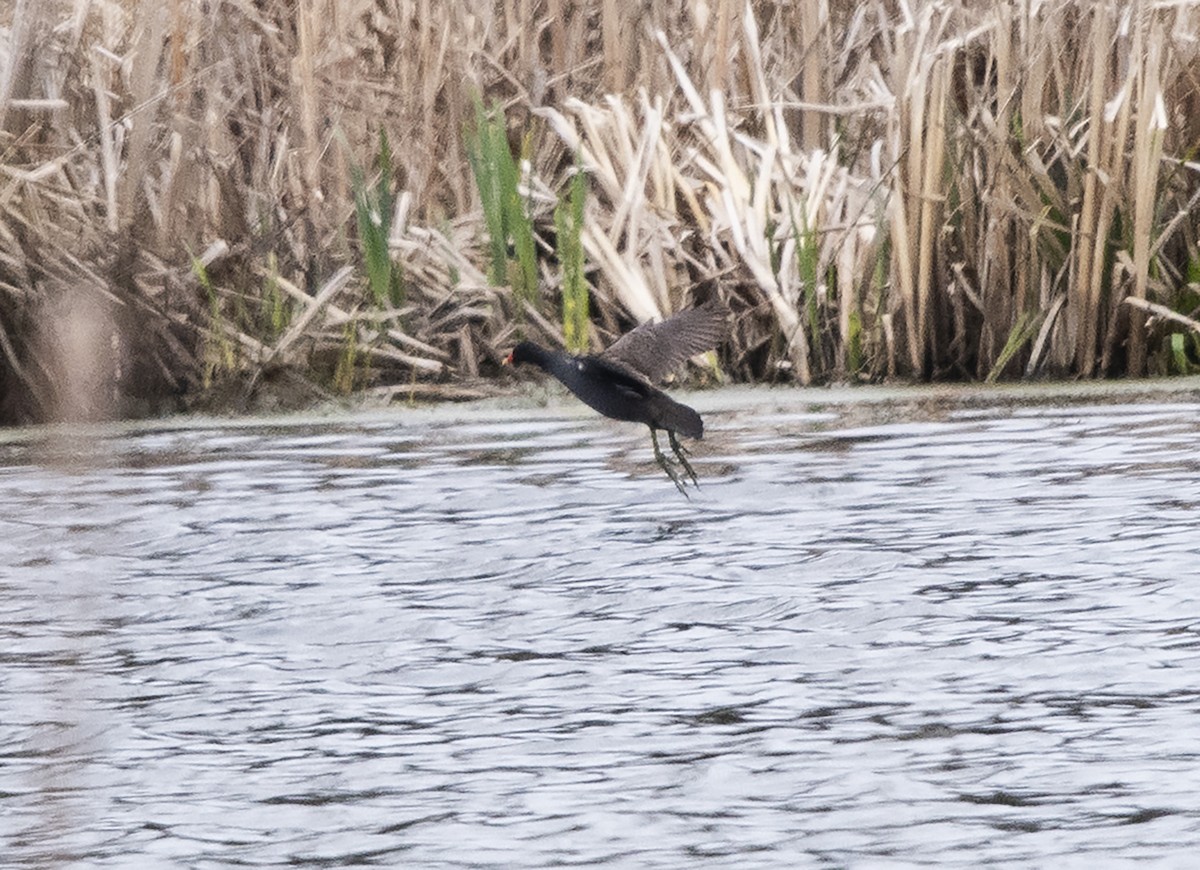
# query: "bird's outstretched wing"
653,350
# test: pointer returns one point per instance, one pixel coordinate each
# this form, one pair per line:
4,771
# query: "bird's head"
523,352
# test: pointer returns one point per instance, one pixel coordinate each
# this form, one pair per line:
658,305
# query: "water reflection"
958,636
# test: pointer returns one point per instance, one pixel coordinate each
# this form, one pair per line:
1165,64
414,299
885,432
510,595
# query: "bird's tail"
669,414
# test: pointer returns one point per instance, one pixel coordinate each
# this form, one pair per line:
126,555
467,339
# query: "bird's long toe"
681,454
665,464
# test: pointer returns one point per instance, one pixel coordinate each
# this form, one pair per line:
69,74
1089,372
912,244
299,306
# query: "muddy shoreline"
548,401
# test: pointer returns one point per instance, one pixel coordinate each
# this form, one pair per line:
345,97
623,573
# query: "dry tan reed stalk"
312,307
614,49
1090,230
1147,158
816,40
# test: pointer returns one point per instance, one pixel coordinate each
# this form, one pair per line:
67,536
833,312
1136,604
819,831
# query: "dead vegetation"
945,190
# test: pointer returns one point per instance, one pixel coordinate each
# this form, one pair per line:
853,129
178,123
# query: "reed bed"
216,200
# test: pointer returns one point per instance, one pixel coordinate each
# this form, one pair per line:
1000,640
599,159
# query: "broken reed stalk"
877,189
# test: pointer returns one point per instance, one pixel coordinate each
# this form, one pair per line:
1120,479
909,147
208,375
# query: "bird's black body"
613,391
618,382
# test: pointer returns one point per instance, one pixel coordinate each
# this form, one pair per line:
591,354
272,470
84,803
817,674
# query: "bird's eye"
579,364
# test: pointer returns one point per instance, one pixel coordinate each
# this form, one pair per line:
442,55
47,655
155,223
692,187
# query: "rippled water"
879,635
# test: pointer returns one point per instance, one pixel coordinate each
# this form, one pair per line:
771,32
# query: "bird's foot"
665,464
669,467
681,453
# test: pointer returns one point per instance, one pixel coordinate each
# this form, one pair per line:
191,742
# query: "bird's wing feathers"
631,382
653,350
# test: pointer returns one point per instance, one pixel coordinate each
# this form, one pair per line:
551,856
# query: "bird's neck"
553,361
540,356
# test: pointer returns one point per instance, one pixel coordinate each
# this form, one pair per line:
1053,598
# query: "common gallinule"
619,382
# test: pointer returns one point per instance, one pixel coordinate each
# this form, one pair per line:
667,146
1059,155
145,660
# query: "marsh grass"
568,226
935,190
373,207
509,228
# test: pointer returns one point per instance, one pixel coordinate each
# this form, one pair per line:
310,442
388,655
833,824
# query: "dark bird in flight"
619,382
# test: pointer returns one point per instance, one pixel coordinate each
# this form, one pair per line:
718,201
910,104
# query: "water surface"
879,635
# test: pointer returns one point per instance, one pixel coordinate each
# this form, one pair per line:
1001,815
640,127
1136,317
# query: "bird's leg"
664,463
681,454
